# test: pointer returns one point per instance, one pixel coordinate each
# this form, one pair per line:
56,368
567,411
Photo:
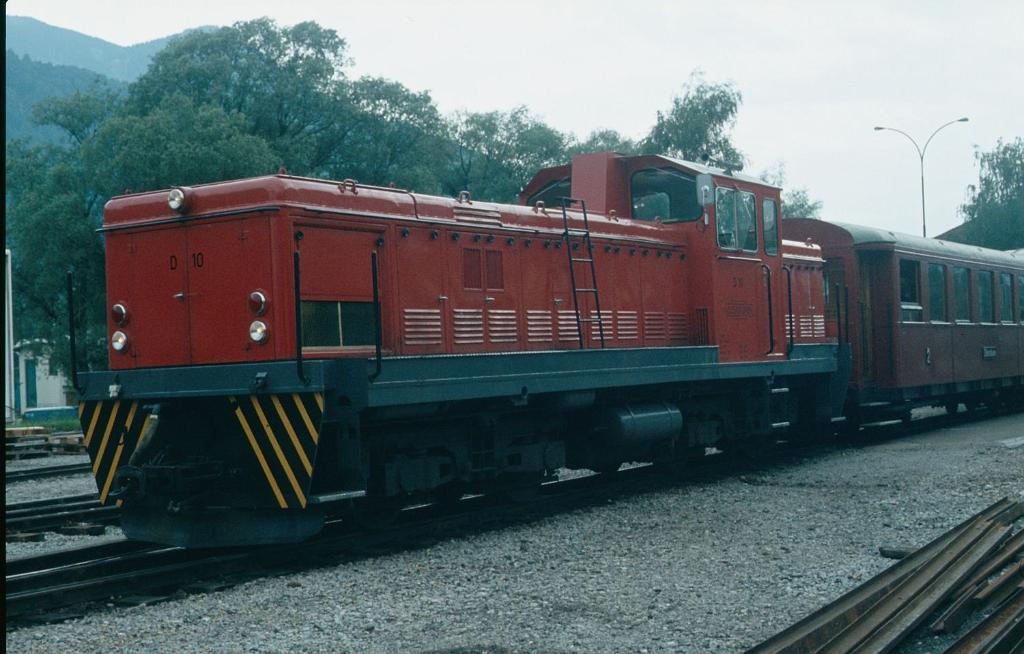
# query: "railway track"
47,471
50,514
41,588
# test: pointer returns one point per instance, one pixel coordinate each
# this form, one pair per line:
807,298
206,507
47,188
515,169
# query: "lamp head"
962,120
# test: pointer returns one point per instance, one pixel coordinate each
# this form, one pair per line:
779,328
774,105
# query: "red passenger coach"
282,348
929,322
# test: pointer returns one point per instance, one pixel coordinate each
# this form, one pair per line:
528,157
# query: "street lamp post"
920,154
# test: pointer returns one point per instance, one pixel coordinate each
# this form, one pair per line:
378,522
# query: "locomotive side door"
746,284
422,293
150,268
336,275
226,261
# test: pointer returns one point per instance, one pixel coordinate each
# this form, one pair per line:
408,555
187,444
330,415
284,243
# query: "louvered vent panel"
627,325
468,326
502,326
422,327
678,328
567,330
539,328
654,326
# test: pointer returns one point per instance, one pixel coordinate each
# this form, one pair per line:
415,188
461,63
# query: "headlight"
119,313
176,200
258,302
258,331
119,341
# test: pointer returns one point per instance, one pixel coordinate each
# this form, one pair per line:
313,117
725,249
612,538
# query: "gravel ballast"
708,566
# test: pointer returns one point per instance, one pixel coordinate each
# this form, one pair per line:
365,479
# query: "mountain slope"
27,82
56,45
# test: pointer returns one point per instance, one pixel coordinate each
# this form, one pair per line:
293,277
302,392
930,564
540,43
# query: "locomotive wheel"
448,494
952,407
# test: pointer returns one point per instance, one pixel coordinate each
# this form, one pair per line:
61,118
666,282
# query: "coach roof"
862,235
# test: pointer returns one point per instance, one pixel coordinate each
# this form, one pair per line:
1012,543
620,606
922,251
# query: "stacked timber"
35,442
975,568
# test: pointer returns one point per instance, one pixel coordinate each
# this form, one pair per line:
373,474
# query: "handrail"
771,314
789,299
839,316
376,314
298,315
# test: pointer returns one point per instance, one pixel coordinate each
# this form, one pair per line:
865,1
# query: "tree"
604,140
697,125
495,154
175,143
994,211
282,80
392,135
796,202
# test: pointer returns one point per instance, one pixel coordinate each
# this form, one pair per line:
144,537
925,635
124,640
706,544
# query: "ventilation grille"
627,325
654,326
538,326
468,326
502,326
679,328
700,327
422,327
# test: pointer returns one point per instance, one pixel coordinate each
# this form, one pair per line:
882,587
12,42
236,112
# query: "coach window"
910,291
1005,297
937,292
986,308
962,293
771,228
746,221
725,217
337,324
552,194
1020,298
666,194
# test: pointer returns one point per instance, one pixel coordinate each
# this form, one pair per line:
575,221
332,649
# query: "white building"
37,385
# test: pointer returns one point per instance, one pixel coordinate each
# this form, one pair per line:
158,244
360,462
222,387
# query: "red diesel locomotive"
283,348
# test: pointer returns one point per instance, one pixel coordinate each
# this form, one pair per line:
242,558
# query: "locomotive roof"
863,235
718,172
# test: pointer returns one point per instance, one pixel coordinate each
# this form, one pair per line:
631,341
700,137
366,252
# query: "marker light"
119,313
258,302
176,200
119,341
258,331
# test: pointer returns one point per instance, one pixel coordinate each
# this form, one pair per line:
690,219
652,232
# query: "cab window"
552,194
666,194
338,324
746,221
771,228
725,217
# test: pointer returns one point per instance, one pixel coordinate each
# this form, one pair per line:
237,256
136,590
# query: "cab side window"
725,217
552,194
771,228
666,194
746,221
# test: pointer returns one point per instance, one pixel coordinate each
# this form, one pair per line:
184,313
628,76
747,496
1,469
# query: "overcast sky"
815,76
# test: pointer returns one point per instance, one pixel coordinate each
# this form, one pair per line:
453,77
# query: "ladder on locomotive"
583,237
